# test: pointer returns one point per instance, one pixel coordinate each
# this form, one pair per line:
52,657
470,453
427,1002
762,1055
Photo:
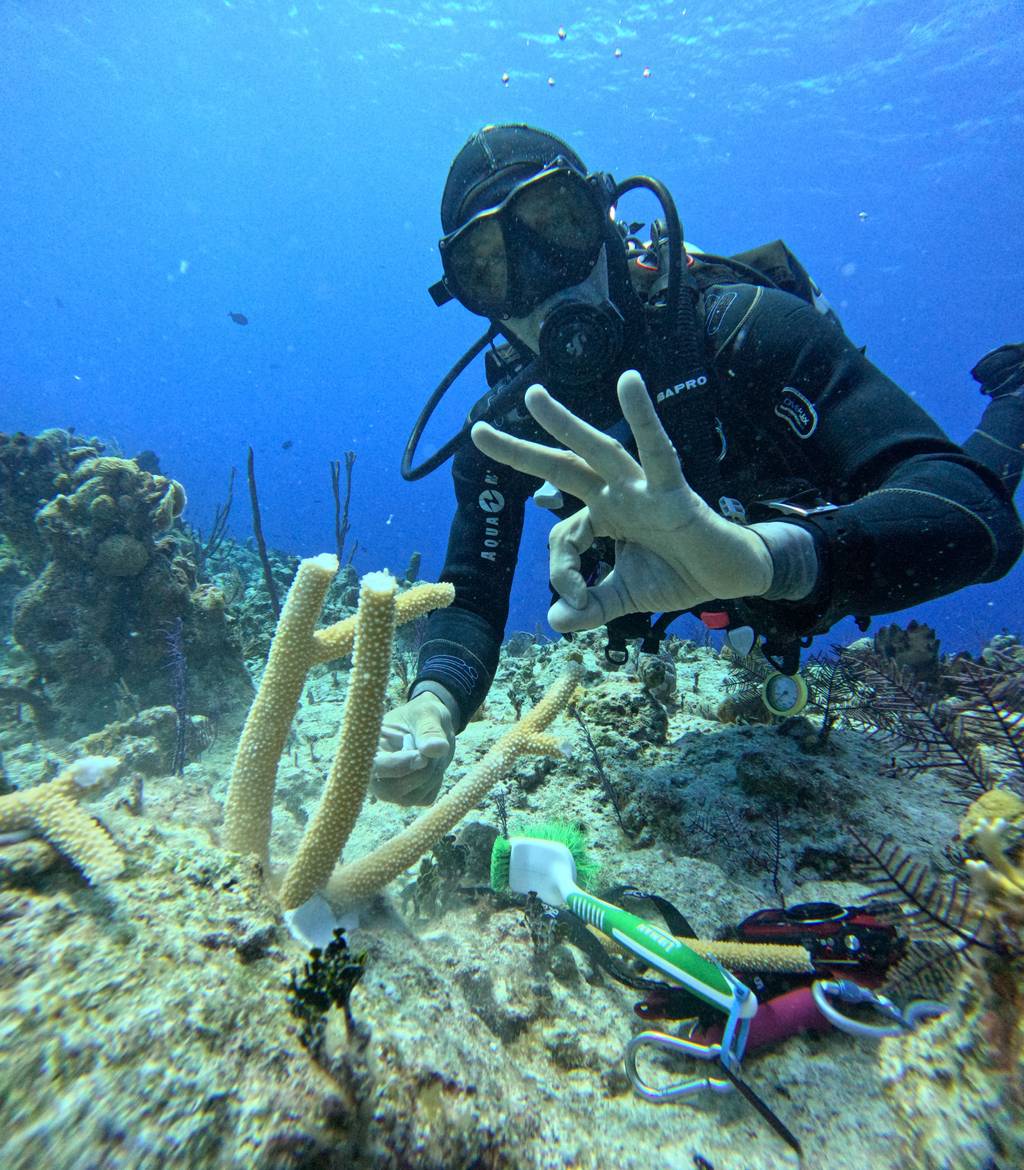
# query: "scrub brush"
549,859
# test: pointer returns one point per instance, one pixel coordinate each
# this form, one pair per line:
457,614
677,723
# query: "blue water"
167,164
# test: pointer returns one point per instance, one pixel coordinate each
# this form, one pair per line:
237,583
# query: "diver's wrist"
428,686
794,560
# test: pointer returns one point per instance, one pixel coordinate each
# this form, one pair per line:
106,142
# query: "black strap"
580,937
674,918
682,383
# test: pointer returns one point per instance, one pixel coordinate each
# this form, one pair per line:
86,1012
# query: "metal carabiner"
851,993
671,1043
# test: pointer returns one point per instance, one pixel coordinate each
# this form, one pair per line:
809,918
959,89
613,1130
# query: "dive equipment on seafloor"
542,861
851,948
844,940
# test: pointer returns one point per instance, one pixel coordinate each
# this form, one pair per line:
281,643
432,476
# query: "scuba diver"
709,436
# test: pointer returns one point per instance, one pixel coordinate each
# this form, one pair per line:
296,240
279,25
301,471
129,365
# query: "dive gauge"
784,694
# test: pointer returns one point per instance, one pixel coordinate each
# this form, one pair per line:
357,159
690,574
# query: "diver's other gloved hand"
672,550
417,742
1001,371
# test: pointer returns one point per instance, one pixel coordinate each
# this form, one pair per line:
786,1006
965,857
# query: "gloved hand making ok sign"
672,551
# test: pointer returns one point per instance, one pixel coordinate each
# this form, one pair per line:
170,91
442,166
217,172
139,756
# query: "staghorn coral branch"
297,646
778,958
53,810
349,778
251,792
365,877
335,641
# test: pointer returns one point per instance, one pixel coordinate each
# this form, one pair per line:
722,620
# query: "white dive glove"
672,551
417,742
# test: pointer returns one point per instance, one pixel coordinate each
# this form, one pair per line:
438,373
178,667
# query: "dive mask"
544,236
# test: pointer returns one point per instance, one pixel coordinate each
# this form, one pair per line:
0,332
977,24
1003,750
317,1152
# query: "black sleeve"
918,518
462,642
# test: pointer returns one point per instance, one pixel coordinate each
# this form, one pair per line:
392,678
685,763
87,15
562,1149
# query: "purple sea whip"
179,678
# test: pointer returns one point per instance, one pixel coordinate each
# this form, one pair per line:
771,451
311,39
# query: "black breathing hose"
673,227
680,346
434,461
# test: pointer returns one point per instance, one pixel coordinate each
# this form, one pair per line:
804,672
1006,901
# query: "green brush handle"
657,948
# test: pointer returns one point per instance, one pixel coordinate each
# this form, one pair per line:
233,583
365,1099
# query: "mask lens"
560,211
545,235
477,264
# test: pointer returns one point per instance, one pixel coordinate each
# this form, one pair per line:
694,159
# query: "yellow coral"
991,828
999,878
369,874
53,810
995,803
295,648
739,956
251,793
349,777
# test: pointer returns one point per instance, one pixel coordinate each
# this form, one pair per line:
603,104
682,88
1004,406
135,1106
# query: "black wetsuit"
797,406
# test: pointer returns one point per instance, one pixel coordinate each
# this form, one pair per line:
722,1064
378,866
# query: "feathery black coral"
991,697
976,736
939,918
929,907
837,693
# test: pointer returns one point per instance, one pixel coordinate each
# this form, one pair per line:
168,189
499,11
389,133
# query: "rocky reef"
97,569
148,1019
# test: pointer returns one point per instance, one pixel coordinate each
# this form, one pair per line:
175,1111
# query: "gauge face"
784,694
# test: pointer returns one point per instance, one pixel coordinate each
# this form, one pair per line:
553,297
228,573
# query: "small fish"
239,318
287,444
